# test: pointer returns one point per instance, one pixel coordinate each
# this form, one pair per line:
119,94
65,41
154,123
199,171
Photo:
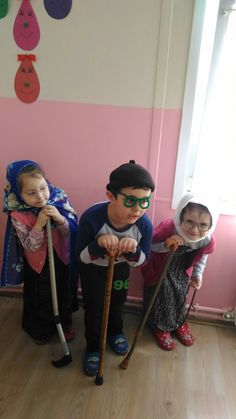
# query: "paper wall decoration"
58,9
26,30
27,85
3,8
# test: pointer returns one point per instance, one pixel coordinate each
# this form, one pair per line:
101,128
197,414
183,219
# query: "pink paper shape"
27,85
26,30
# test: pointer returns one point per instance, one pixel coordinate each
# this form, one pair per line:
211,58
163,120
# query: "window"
207,147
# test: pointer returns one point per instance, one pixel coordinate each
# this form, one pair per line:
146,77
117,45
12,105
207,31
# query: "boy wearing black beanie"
120,226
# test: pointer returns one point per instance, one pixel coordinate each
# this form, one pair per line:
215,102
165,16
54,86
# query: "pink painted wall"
77,144
80,144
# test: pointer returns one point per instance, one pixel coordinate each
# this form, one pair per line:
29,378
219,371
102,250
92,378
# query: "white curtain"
215,165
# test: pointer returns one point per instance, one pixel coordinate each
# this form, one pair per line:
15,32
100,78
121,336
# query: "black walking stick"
67,358
106,307
124,364
190,305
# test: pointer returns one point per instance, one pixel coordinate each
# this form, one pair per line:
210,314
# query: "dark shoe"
118,344
91,363
70,334
184,335
164,339
41,341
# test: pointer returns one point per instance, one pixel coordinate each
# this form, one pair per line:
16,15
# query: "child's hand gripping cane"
173,242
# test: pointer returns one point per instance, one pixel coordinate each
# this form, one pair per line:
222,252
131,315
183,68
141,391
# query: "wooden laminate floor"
187,383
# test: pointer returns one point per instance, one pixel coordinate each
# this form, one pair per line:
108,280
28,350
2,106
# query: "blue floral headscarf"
12,201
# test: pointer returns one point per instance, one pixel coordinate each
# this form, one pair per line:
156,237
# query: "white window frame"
200,55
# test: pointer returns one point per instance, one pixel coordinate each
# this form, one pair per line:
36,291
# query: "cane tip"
124,364
99,380
65,360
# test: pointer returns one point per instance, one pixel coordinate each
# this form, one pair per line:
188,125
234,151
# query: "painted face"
195,224
58,9
3,8
122,215
26,30
34,190
27,85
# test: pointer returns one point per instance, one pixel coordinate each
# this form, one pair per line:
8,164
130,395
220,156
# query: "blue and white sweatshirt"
94,222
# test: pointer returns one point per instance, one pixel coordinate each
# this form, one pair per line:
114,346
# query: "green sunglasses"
131,201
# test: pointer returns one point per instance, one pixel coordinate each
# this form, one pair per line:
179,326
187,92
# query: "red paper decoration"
27,85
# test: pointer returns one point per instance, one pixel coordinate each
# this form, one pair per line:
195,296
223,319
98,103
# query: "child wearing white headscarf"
189,234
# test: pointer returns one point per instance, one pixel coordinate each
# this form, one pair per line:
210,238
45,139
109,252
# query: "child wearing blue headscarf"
30,200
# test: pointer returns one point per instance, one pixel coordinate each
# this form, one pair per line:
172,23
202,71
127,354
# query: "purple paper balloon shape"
26,30
58,9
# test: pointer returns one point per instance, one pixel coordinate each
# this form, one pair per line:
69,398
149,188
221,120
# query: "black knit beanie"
130,175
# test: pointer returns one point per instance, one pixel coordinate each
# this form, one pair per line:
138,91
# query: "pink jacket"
152,270
36,258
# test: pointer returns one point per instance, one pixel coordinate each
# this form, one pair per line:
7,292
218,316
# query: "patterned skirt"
169,308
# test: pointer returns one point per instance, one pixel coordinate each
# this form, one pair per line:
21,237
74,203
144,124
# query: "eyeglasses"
131,201
190,225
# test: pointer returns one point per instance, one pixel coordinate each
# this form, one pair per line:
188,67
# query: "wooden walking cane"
106,307
67,358
124,364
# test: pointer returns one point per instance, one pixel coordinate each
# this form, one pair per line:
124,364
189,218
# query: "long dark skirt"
169,308
37,319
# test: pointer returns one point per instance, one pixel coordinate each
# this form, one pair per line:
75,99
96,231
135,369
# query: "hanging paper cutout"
27,85
26,30
3,8
58,9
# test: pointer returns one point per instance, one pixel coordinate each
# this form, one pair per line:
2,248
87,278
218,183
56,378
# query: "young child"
190,235
30,200
121,226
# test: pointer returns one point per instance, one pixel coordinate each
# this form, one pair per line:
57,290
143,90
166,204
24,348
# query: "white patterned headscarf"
202,200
